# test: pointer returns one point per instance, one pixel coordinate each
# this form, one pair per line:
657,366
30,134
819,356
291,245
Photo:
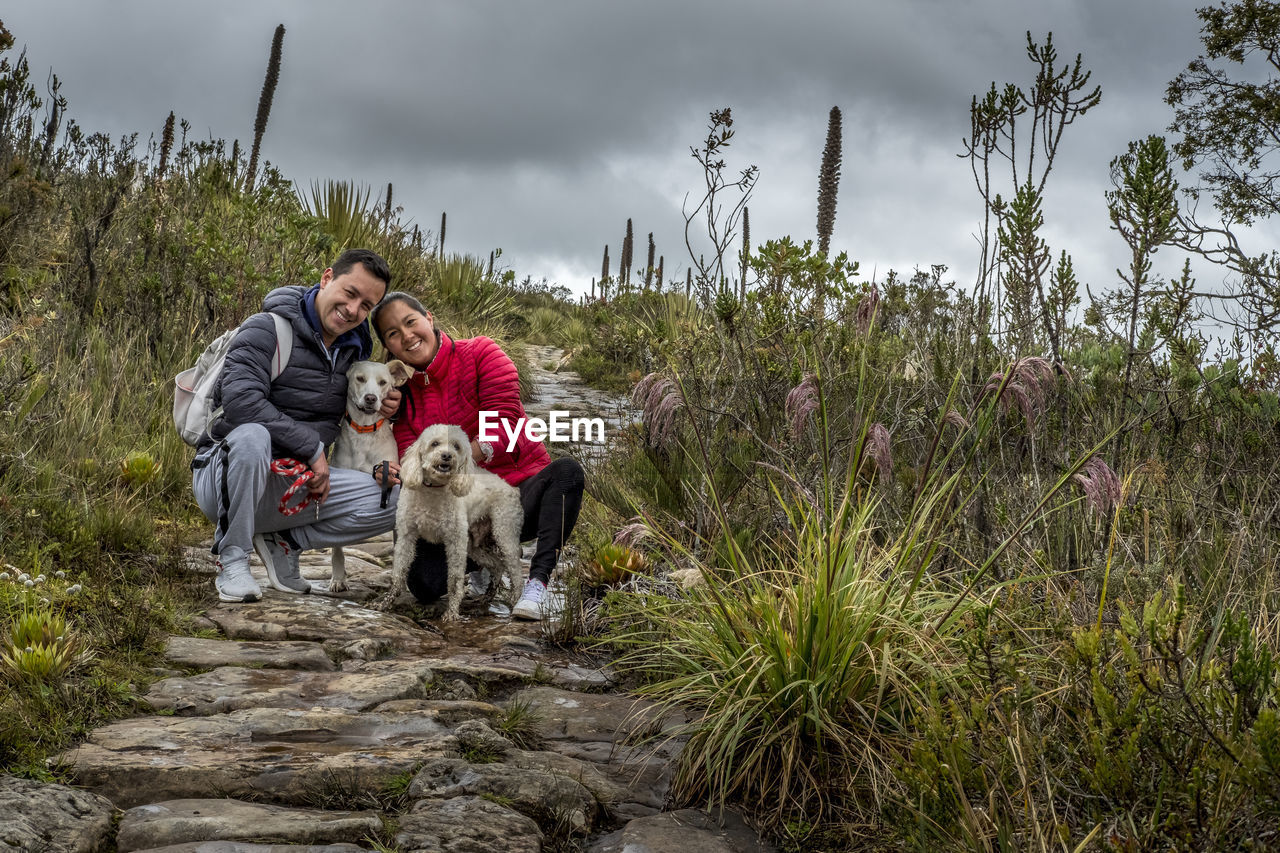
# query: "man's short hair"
374,263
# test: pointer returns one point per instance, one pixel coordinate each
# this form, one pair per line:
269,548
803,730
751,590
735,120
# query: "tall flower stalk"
264,103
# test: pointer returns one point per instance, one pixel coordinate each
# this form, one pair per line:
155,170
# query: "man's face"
344,301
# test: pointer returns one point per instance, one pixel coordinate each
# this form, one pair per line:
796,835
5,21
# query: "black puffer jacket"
302,408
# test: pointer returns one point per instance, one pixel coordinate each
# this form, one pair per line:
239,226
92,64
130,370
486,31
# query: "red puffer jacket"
465,378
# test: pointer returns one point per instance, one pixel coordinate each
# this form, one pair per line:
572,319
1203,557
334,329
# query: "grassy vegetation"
978,570
955,596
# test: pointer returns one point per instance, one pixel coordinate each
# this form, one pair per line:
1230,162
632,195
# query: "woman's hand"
395,473
391,404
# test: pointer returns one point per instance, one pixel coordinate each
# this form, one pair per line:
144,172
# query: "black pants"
551,499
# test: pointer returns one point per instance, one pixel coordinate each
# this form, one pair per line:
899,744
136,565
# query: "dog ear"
400,372
411,465
460,483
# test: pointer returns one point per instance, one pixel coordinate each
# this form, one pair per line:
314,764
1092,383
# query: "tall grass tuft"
805,669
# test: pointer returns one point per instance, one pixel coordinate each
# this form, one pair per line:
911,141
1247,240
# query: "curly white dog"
445,498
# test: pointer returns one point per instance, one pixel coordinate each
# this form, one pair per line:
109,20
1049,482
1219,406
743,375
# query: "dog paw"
383,602
451,616
338,586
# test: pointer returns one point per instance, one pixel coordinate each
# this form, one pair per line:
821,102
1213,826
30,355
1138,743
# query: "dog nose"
370,399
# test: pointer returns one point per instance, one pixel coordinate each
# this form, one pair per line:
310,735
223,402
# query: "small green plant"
38,647
139,468
612,564
519,723
394,795
478,754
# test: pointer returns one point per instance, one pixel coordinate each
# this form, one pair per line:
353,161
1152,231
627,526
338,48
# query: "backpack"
193,387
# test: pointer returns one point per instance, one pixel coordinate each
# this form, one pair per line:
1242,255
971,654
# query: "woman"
454,381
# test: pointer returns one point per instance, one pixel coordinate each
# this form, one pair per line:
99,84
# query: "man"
295,416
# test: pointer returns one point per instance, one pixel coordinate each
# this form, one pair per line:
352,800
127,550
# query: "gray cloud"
542,127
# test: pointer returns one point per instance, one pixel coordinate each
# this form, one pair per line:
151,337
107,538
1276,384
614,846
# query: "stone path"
313,723
561,389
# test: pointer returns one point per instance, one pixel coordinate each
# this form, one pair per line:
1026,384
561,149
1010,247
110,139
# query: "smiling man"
293,415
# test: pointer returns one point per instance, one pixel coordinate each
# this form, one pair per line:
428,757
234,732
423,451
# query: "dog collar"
364,429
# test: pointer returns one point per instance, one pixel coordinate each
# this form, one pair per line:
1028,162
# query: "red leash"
292,468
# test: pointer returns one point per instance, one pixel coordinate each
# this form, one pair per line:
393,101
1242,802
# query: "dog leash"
385,467
292,468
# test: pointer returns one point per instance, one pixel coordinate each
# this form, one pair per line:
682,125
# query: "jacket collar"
439,366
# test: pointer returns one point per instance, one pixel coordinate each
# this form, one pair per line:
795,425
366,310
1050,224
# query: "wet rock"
567,715
331,621
231,688
200,623
207,654
374,550
368,648
250,847
475,736
39,818
467,825
283,756
198,560
634,780
540,793
682,831
184,821
457,690
514,667
521,643
448,711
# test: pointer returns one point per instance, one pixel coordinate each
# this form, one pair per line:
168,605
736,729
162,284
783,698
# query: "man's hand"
318,485
391,403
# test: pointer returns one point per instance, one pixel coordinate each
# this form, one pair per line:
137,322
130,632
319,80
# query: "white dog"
365,439
445,498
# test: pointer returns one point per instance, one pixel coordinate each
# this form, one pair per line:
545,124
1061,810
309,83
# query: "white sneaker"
477,585
235,582
281,560
530,604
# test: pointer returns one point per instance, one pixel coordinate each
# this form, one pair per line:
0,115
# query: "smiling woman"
455,382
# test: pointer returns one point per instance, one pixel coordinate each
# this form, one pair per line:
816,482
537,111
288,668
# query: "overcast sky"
541,127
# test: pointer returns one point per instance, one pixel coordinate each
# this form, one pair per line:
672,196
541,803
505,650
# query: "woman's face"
408,334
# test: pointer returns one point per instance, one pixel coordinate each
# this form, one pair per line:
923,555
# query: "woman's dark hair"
412,302
393,296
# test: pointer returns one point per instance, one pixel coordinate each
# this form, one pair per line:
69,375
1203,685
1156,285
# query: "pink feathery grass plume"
631,533
1102,489
879,447
865,312
955,419
1026,389
802,401
659,400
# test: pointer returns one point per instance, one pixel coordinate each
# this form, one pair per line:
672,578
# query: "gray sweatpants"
241,466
